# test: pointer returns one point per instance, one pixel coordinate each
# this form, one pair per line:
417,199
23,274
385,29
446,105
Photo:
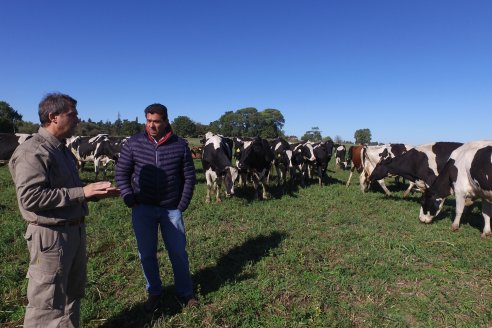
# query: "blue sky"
411,71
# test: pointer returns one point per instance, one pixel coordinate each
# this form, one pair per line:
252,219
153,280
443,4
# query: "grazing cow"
282,154
91,149
372,155
9,142
255,157
420,165
354,157
468,175
340,152
216,161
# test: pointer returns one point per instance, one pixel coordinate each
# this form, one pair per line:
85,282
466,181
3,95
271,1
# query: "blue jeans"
146,220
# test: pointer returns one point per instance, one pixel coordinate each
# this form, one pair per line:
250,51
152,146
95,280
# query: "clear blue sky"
411,71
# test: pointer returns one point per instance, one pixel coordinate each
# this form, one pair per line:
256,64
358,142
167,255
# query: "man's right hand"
100,189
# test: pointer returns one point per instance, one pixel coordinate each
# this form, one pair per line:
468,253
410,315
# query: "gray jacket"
48,186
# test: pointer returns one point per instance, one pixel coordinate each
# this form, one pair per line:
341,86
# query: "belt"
69,223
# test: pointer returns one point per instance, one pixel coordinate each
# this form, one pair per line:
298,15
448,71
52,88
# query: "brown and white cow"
354,157
468,175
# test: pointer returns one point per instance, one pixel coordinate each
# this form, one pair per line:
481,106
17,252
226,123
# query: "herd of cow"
100,150
437,170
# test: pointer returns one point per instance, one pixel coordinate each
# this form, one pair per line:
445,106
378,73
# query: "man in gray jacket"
53,201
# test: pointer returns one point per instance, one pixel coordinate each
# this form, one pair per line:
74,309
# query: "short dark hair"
157,109
56,103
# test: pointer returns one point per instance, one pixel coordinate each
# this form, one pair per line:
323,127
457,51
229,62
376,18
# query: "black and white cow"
92,149
340,152
420,165
116,143
255,156
9,142
323,152
468,175
216,160
282,154
372,155
303,159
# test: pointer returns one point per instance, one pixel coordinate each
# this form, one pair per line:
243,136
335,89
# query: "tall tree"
229,124
313,135
362,136
9,118
184,126
270,123
28,127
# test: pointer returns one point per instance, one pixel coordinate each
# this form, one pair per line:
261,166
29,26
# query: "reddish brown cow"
196,152
355,159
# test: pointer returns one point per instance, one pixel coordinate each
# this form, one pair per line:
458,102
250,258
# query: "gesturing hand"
100,189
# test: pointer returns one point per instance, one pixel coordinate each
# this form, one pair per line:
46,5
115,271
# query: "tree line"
245,122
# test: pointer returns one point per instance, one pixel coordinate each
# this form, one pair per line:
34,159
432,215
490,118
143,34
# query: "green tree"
9,118
362,136
248,122
184,126
28,127
270,123
201,129
313,135
229,124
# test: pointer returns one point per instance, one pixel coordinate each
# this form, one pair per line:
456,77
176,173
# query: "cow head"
381,170
431,205
229,177
308,152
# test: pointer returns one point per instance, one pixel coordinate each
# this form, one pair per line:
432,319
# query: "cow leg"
486,213
209,176
96,167
350,177
409,189
264,184
386,191
255,185
364,186
218,184
305,175
460,205
278,170
207,198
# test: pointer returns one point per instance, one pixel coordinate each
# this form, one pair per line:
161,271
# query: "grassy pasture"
313,257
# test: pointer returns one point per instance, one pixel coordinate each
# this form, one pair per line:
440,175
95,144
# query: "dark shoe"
152,303
190,301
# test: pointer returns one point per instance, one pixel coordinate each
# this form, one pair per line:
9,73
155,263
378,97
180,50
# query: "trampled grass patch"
316,257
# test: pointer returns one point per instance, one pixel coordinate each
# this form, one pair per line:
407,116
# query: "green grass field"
313,257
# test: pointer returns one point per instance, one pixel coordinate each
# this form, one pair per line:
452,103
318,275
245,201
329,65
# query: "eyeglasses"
72,113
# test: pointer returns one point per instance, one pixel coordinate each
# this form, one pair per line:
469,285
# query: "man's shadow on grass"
228,269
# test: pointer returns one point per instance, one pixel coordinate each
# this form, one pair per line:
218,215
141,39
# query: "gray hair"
55,103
